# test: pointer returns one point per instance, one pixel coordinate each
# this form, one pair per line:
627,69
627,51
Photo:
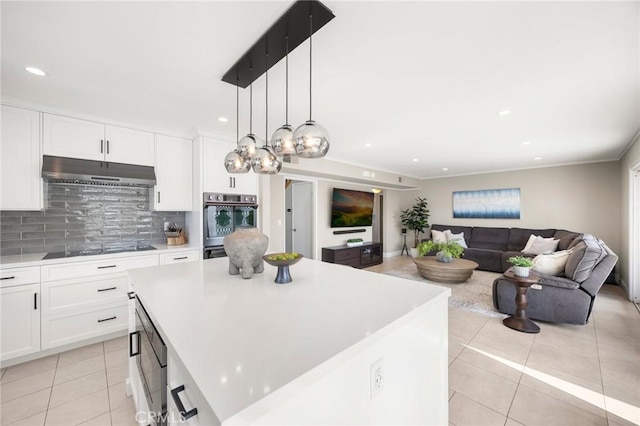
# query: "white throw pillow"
540,245
531,240
438,236
457,238
552,264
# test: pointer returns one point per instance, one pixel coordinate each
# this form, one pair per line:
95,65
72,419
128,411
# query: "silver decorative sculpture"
245,247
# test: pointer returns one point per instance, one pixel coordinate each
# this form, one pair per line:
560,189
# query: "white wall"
629,160
583,198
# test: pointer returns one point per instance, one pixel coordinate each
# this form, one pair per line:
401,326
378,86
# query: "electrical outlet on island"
377,378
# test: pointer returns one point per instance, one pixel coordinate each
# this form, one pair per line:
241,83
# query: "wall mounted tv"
351,208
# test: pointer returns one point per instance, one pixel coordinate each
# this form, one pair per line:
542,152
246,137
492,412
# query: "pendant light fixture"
247,145
265,160
233,162
312,140
282,140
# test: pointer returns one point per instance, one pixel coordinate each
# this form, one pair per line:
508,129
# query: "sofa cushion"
456,238
585,256
489,260
455,229
560,282
489,238
438,236
541,245
565,237
518,237
551,264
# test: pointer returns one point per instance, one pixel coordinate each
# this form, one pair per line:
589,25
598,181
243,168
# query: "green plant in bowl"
451,249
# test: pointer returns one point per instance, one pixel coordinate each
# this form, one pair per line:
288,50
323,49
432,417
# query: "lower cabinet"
20,315
185,402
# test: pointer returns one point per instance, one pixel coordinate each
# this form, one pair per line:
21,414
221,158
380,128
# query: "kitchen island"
335,346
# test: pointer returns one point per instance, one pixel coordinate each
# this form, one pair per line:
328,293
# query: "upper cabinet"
74,138
215,176
20,182
173,191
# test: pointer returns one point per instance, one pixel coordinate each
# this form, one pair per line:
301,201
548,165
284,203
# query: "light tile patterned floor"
565,375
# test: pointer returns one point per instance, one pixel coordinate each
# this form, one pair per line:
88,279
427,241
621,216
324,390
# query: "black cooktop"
62,254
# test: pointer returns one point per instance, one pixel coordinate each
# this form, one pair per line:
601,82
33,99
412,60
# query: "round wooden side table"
520,321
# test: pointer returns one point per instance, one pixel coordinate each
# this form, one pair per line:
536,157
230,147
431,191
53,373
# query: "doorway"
299,217
377,231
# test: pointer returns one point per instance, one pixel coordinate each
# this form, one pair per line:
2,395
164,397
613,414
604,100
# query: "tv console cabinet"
363,256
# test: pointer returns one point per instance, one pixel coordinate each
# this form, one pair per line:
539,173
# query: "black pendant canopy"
294,24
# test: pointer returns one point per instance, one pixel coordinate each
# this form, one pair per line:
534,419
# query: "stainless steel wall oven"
223,213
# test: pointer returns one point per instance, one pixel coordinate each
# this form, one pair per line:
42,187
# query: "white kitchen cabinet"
20,157
215,176
81,300
187,256
174,187
20,315
89,140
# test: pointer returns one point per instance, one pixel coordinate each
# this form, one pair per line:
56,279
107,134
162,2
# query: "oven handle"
183,412
131,354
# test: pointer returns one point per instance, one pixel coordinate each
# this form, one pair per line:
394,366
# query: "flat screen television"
351,208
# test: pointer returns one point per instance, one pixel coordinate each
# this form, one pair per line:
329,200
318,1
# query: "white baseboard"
622,283
391,254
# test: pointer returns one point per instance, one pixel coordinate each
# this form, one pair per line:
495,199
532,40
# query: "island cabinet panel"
182,389
363,256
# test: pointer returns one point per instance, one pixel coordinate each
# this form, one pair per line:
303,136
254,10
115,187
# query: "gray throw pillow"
584,257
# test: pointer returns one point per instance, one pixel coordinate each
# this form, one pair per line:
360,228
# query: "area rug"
472,295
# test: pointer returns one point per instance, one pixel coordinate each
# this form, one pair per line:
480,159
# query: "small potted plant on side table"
521,265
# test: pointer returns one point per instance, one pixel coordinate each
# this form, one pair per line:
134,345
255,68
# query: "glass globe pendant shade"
266,162
312,140
247,146
234,163
282,141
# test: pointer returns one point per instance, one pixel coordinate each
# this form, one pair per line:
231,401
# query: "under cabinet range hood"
74,170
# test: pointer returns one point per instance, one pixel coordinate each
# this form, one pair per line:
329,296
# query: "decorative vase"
521,271
245,247
444,257
413,252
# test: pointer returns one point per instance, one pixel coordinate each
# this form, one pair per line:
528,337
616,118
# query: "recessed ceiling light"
367,145
526,143
223,119
504,112
36,71
415,160
538,158
445,169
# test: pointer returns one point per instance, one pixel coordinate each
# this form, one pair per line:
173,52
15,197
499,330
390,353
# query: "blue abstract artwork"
487,204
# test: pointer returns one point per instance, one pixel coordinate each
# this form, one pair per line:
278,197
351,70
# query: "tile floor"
565,375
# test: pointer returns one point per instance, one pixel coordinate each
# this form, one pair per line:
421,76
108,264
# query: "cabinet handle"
180,258
107,319
8,278
107,147
230,182
131,294
105,267
158,197
183,412
106,289
137,352
234,182
35,301
101,146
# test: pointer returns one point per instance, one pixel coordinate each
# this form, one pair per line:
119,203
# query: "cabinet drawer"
67,328
18,276
187,256
80,293
95,267
344,254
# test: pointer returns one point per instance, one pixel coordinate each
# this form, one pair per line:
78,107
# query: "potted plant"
445,252
416,219
353,242
521,265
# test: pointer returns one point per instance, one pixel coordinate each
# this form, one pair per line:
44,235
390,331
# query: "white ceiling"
420,80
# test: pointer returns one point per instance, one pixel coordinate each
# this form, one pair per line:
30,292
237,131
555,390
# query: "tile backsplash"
81,218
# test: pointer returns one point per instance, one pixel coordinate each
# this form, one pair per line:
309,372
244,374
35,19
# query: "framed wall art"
487,204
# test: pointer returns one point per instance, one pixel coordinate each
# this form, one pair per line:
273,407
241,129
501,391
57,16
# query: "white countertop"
36,259
242,340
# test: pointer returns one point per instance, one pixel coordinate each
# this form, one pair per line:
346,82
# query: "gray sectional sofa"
491,247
